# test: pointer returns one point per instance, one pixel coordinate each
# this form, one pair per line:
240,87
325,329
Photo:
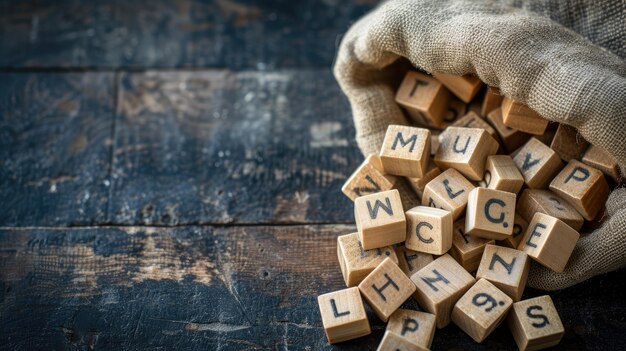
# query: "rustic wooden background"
170,178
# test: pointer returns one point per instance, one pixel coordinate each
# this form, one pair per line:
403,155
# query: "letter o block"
535,323
343,315
429,230
466,150
380,219
405,151
490,214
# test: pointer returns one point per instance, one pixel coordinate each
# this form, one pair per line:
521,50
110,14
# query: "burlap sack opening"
562,58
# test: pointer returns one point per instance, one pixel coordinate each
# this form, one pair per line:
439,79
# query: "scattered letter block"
368,179
506,268
448,191
394,342
490,213
456,109
424,98
419,184
405,151
467,249
466,150
343,315
357,263
567,143
600,159
429,230
549,241
411,261
584,187
521,117
501,173
472,120
386,288
464,87
519,228
511,138
481,310
415,326
439,286
545,201
537,163
535,324
380,219
493,100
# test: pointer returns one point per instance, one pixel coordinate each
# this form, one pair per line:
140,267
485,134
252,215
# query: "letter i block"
466,150
343,315
440,285
448,191
545,201
490,213
481,310
368,179
535,324
584,187
429,230
501,173
394,342
537,163
521,117
464,87
506,268
386,288
549,241
415,326
357,263
424,98
467,249
411,261
405,151
380,219
519,228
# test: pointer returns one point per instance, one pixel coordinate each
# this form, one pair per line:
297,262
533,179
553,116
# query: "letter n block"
424,98
501,173
343,315
380,219
467,249
481,310
448,191
521,117
411,261
357,263
386,288
584,187
535,323
466,150
506,268
429,230
440,285
368,179
549,241
490,213
415,326
405,151
537,163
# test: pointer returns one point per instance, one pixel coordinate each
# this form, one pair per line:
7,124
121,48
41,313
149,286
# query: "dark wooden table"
170,178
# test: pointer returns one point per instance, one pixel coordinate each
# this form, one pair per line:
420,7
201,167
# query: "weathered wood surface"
226,288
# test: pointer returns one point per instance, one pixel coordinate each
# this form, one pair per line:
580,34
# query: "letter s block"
429,230
343,315
466,150
490,214
405,151
380,219
415,326
535,323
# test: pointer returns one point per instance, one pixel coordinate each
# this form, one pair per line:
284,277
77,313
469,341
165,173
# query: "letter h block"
405,151
429,230
490,213
380,219
535,323
440,285
416,327
343,315
466,150
506,268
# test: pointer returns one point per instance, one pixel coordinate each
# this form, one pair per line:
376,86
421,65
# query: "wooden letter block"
537,163
415,326
440,285
600,159
567,143
343,315
511,138
424,98
466,150
467,249
545,201
368,179
429,230
386,288
464,87
481,310
472,120
584,187
419,184
394,342
448,191
456,109
357,263
521,117
549,241
380,219
506,268
405,151
490,213
411,261
501,173
535,323
492,100
519,228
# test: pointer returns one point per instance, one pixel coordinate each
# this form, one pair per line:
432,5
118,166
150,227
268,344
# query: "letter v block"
448,191
440,285
380,219
429,230
415,326
368,179
343,315
535,324
537,163
405,151
466,150
490,213
584,187
357,263
506,268
386,288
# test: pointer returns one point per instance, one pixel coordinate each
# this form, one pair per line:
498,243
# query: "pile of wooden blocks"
495,194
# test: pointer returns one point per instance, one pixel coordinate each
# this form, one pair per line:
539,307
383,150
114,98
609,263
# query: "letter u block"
380,219
535,324
429,230
466,150
490,213
343,315
549,241
405,151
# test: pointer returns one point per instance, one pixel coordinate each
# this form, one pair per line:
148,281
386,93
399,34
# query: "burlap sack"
565,59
